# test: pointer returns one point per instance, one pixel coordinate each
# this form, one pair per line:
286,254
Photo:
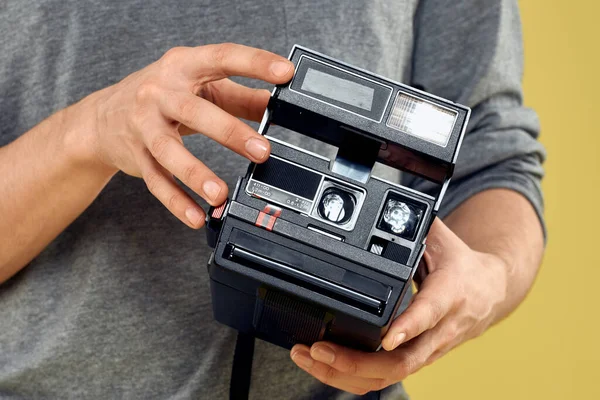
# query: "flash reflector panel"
420,118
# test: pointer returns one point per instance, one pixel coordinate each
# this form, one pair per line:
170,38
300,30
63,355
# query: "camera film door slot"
293,266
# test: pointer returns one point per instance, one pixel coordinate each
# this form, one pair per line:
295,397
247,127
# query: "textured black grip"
290,320
288,177
396,252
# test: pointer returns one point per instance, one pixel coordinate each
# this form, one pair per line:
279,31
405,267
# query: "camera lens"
401,216
397,215
336,205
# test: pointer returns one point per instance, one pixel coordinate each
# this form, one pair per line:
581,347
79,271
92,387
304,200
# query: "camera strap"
241,370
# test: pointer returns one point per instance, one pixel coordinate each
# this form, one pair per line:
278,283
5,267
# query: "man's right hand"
137,123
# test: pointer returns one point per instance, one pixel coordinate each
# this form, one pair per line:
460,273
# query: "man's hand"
140,120
457,301
59,167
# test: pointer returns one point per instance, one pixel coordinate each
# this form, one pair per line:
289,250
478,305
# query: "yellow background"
550,347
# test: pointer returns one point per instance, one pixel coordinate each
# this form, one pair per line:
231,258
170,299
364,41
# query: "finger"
217,61
354,362
208,119
162,185
446,336
414,355
427,348
433,302
238,100
332,377
166,147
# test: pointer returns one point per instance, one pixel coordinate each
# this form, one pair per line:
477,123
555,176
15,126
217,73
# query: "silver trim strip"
438,203
264,121
283,143
331,235
462,136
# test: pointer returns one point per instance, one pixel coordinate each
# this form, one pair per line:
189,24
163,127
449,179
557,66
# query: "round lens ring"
397,216
336,205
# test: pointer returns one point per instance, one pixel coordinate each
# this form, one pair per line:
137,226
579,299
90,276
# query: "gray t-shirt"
118,306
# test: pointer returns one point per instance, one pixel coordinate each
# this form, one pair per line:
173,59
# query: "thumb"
440,241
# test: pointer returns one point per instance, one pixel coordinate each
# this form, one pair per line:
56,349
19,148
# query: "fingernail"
303,359
280,68
211,189
324,354
398,339
257,148
194,216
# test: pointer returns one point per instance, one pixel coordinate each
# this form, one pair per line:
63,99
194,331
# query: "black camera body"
311,249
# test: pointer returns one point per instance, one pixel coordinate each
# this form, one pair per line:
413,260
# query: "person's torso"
118,306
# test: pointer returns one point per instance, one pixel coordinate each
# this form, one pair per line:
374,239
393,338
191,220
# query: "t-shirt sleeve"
483,70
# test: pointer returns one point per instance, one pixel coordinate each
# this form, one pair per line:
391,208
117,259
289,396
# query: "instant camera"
310,248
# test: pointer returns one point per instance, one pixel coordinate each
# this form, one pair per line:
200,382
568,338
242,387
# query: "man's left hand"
457,301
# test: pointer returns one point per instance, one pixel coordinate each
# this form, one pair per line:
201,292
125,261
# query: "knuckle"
191,173
451,332
220,53
187,110
436,310
172,56
460,301
159,146
411,320
228,133
329,376
152,182
173,201
352,367
147,91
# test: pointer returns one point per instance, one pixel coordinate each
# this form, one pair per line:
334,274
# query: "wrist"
78,124
498,268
